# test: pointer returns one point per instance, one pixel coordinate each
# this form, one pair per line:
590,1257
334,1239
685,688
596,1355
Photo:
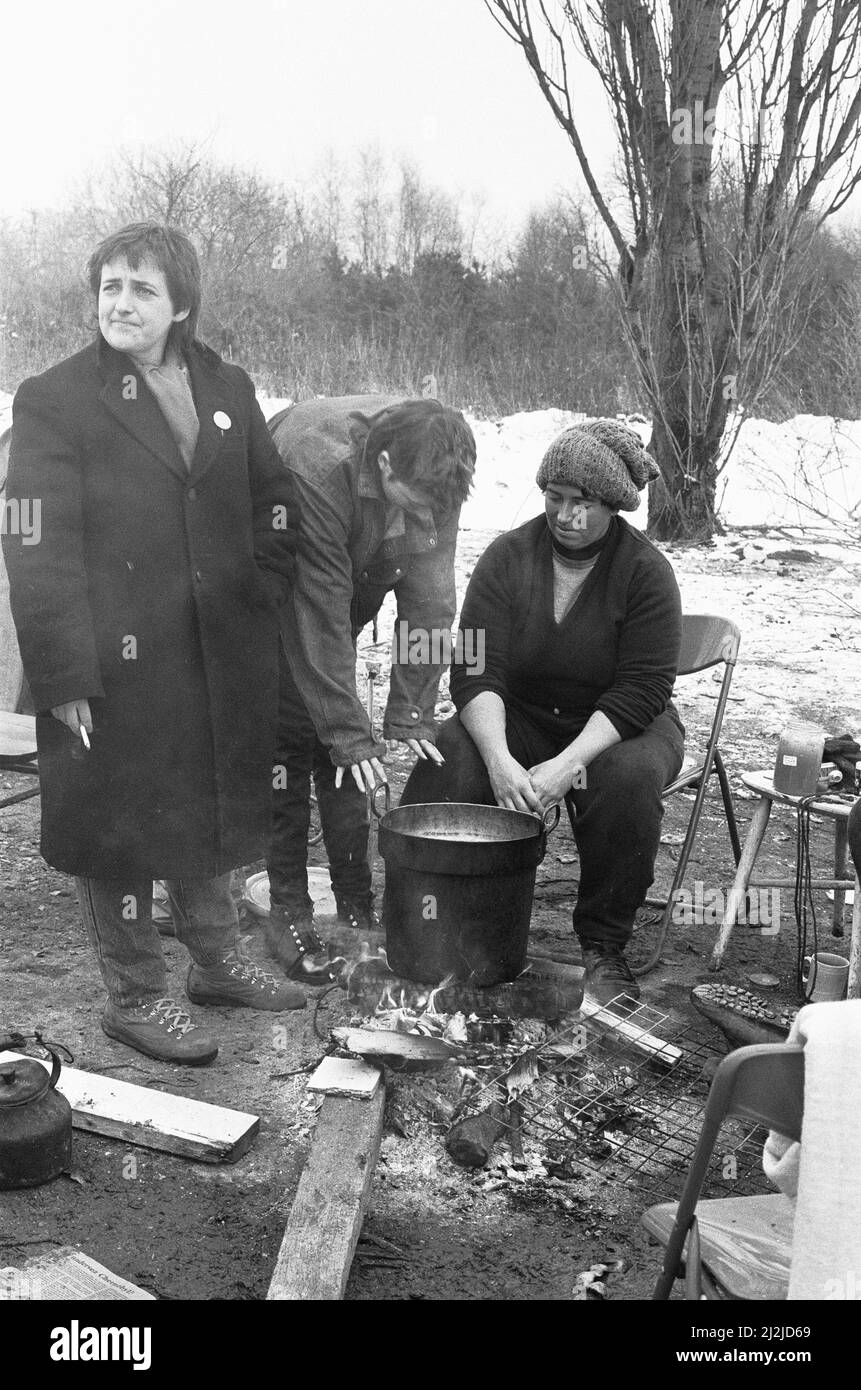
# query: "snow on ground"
803,474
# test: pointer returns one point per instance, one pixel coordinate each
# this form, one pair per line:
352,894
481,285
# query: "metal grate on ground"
628,1104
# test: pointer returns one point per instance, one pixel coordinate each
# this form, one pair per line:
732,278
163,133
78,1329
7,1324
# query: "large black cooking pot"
459,886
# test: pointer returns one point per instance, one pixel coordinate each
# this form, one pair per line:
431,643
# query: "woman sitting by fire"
579,619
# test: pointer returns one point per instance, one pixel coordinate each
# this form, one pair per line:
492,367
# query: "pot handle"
57,1064
548,826
17,1040
381,786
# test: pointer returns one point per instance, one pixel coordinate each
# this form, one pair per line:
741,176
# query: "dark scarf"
574,557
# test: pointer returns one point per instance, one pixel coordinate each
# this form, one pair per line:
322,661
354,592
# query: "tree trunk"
682,506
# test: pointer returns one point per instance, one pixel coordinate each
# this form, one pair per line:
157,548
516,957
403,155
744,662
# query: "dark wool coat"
154,593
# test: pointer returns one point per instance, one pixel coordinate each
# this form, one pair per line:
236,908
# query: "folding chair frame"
763,1083
707,640
17,766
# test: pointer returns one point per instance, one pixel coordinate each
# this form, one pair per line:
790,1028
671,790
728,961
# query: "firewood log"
470,1141
538,993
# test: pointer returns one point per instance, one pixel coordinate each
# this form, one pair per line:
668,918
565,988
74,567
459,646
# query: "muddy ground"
187,1230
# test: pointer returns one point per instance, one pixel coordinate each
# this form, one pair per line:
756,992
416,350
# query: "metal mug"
825,977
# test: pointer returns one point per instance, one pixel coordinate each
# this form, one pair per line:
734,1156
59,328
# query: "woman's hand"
512,786
553,780
75,714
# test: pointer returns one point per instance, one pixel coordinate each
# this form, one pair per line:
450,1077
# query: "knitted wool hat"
605,458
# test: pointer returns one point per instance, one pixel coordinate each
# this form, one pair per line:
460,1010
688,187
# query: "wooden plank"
345,1076
638,1037
153,1119
390,1046
326,1218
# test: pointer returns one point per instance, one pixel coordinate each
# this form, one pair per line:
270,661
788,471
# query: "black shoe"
359,913
294,943
607,973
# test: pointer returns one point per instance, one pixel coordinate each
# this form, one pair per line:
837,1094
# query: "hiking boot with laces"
237,983
160,1029
360,914
608,974
293,941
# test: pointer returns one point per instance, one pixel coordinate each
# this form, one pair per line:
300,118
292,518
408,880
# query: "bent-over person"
379,484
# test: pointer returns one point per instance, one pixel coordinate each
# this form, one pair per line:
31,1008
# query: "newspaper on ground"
66,1274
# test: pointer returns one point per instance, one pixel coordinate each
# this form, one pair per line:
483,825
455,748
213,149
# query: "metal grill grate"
628,1104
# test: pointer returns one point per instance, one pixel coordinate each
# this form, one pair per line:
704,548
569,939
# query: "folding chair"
707,641
737,1247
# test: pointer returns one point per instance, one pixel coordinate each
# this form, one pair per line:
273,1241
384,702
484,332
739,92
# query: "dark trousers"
618,814
117,916
343,813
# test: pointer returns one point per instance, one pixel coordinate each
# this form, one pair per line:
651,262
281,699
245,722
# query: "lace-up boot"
160,1029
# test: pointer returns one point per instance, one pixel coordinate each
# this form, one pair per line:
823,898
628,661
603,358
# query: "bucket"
459,885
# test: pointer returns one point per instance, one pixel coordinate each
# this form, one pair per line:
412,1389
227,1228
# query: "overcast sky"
274,84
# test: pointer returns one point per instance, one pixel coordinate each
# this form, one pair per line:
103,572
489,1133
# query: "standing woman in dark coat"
147,617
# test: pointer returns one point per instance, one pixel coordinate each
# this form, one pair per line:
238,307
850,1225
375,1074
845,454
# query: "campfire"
619,1090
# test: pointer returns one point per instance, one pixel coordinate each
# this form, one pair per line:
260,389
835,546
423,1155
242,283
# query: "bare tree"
757,100
427,220
370,210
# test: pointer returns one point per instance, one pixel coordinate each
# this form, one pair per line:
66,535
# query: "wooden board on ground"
345,1076
153,1119
632,1032
392,1047
326,1218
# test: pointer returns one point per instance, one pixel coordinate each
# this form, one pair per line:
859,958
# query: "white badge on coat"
221,421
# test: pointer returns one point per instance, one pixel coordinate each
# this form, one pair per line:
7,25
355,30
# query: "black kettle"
35,1120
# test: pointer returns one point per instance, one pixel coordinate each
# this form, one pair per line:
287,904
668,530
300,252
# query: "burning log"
470,1141
537,993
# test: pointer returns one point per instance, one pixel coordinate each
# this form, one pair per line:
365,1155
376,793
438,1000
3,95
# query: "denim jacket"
353,548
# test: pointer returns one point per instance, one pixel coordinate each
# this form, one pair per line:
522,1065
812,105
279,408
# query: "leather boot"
294,943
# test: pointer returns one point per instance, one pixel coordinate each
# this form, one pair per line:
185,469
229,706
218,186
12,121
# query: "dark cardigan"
616,650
